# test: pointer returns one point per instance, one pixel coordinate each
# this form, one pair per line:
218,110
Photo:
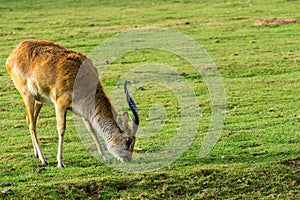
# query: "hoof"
60,165
45,163
107,159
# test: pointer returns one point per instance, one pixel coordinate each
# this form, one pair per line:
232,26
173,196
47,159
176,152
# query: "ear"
122,120
126,117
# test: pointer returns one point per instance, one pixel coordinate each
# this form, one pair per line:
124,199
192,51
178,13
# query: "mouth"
125,159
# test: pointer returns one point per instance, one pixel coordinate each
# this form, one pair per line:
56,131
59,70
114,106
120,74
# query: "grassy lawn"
257,155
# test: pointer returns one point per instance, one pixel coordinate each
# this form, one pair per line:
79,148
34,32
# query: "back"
44,69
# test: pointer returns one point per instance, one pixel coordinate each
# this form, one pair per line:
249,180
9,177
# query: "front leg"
61,126
100,148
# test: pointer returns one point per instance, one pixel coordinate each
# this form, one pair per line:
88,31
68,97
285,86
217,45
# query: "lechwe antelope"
46,72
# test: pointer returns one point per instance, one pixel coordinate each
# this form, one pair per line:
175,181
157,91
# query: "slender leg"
61,126
100,148
37,109
33,143
32,113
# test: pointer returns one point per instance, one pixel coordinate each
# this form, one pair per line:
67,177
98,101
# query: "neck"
90,102
104,118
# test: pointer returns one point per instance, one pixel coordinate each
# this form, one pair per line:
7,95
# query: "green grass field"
257,155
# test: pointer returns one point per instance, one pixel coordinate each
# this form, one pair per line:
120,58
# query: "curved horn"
133,109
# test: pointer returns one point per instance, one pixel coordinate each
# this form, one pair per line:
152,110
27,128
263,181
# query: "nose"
126,159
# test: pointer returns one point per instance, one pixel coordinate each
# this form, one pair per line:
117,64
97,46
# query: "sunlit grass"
257,155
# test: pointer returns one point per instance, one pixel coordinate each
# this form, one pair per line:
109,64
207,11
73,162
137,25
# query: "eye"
128,143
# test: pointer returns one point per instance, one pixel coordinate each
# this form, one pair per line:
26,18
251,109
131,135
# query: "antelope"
44,72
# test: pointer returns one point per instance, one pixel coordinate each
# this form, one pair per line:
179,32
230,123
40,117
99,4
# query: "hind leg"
32,110
37,108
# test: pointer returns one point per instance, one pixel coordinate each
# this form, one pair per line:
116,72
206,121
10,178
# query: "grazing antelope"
46,72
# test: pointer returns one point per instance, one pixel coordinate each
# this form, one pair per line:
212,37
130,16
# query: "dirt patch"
295,163
274,21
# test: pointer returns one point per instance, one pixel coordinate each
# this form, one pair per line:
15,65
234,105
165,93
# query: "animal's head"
122,145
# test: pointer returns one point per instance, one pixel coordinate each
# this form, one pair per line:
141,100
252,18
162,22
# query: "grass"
257,155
